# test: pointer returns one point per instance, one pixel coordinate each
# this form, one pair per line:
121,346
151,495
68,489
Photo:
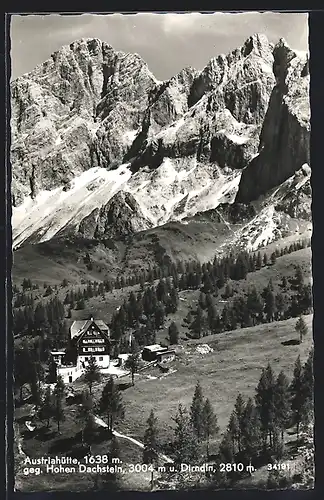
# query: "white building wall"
69,373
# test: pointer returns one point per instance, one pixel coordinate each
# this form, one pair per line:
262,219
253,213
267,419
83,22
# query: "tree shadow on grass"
291,342
124,385
63,445
45,434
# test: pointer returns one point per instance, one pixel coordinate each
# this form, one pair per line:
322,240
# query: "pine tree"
226,318
226,450
173,333
264,400
308,390
85,415
198,324
151,445
258,263
196,411
34,385
273,258
22,368
251,431
297,397
284,283
159,315
92,373
308,378
228,291
239,412
269,304
41,323
280,306
233,433
299,277
301,328
281,403
58,413
254,305
132,364
80,304
46,410
185,444
111,403
209,423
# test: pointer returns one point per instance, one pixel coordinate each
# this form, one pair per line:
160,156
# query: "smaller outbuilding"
151,352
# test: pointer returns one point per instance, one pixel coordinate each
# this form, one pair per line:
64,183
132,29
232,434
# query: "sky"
167,42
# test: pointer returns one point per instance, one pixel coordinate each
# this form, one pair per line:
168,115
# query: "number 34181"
278,466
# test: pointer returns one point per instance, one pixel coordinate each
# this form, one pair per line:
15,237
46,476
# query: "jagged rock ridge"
93,129
284,140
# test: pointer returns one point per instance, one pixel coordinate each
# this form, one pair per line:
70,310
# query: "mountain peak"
258,43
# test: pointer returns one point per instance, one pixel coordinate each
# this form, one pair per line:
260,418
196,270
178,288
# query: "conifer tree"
151,445
173,333
92,373
280,306
308,381
281,403
299,277
228,291
22,368
239,412
269,303
197,325
58,413
209,423
254,305
273,258
251,431
111,403
114,448
196,411
297,396
159,315
301,328
264,400
46,410
85,414
132,364
226,450
284,283
258,263
185,444
233,433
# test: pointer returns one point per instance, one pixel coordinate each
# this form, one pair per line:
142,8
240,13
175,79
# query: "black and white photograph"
162,300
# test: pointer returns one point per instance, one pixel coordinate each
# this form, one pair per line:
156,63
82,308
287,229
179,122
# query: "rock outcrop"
121,216
284,139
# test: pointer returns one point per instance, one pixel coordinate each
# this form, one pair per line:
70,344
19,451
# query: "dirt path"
101,422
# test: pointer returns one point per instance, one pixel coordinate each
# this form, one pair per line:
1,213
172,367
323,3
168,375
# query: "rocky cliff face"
79,109
284,139
101,148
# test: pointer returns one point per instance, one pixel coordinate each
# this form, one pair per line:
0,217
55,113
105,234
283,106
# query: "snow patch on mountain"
274,220
43,217
167,193
161,192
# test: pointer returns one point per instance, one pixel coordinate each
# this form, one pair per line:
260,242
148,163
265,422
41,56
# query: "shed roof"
155,347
